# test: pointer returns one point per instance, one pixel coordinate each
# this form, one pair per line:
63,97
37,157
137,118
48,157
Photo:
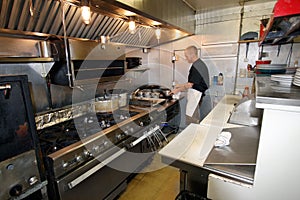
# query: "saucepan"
106,105
121,94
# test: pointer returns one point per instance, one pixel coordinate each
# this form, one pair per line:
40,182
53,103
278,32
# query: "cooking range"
93,155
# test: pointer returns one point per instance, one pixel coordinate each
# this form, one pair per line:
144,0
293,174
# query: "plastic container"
246,92
259,62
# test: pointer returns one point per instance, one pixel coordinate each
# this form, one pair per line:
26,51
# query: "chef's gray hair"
192,50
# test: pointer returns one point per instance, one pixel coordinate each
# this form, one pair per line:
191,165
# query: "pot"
104,105
166,91
121,94
155,95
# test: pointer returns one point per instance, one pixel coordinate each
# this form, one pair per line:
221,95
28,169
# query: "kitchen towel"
223,139
193,98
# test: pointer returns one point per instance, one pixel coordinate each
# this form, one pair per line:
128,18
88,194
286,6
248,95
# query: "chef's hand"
175,91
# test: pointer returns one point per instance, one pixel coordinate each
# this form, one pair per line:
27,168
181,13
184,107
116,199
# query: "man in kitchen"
198,82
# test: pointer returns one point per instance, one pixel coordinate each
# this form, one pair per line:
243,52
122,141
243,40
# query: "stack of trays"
297,77
270,69
283,79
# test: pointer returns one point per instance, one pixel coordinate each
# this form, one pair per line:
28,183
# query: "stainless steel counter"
272,93
238,159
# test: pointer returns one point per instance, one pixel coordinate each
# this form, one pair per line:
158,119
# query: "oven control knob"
105,144
79,158
86,153
118,136
96,148
16,190
131,130
33,180
65,164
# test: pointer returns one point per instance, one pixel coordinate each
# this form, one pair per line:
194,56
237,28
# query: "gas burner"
62,135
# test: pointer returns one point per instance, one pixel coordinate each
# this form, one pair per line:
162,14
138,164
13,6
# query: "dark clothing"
198,75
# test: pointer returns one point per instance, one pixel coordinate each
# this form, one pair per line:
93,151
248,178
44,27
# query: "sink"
245,113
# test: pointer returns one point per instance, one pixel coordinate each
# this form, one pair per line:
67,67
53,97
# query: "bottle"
245,92
216,99
220,79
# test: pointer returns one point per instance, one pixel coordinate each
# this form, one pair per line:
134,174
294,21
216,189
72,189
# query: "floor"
156,182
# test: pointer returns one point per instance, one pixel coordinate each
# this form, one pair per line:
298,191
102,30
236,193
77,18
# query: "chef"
198,82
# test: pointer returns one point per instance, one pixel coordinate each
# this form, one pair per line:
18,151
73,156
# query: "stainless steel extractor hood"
45,18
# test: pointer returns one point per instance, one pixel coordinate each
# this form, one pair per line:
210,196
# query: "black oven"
20,167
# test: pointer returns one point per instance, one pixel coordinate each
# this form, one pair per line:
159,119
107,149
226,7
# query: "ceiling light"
86,12
131,25
158,33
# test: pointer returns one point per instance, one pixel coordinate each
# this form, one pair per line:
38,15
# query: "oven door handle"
146,134
90,172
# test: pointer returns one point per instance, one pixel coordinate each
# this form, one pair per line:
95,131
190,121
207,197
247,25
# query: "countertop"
194,145
195,142
270,94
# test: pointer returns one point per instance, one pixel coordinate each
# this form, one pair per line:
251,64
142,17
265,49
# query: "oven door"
97,180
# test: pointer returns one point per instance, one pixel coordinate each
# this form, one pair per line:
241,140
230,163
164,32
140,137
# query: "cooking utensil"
121,94
106,105
247,49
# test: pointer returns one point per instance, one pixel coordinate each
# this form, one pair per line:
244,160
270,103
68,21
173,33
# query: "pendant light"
86,12
131,25
158,33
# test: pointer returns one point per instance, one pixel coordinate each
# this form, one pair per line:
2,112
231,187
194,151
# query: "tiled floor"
161,184
155,182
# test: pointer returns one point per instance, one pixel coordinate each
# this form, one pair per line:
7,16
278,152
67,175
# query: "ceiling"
218,4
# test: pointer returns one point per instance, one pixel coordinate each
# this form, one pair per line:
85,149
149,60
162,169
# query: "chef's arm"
182,87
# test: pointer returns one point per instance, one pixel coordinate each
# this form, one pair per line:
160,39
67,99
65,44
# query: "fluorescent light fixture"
86,14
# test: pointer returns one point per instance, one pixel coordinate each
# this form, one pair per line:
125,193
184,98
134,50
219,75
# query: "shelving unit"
284,24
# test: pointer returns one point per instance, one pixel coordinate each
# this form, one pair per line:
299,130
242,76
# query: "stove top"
64,134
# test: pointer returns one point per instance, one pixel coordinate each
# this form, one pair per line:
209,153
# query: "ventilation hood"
44,18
